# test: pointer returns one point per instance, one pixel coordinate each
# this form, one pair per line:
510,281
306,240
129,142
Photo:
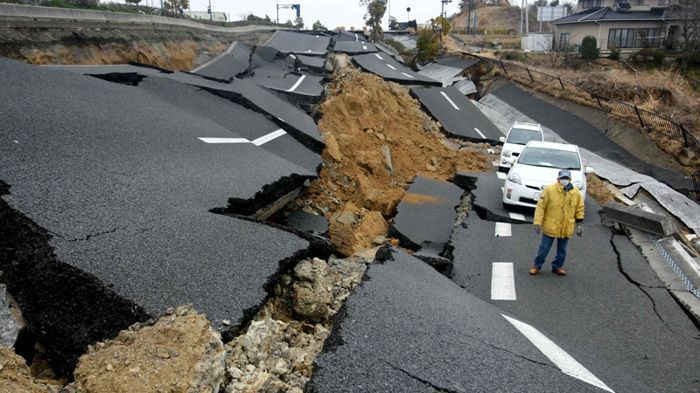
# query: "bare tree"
688,13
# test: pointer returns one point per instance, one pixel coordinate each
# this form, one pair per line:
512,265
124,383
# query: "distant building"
628,25
216,16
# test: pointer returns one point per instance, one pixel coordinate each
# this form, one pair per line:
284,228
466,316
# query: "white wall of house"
601,31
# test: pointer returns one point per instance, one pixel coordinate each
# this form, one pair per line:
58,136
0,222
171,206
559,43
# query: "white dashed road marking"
501,175
258,142
479,132
502,281
391,66
364,47
503,229
517,216
267,138
379,57
450,100
294,87
567,364
407,75
224,140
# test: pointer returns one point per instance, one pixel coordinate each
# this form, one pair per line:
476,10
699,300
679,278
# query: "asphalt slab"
407,328
391,70
299,43
232,62
354,47
458,115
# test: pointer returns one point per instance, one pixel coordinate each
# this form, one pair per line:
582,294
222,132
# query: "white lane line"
226,52
479,132
391,66
567,364
379,57
407,75
517,216
450,100
292,56
503,229
502,281
364,47
224,140
501,175
356,39
267,138
294,87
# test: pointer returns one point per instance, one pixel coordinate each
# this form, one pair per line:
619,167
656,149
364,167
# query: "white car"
519,135
538,166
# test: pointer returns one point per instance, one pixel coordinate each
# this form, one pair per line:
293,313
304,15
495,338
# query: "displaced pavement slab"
268,62
678,205
458,115
294,84
389,69
408,41
447,69
123,186
354,47
315,64
409,329
344,35
253,126
488,201
577,131
389,51
120,73
598,308
426,214
299,124
299,43
235,60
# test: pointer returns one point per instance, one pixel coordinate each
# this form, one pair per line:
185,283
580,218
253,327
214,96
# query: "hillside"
497,20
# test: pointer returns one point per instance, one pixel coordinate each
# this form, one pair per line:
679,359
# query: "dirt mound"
178,353
378,139
15,376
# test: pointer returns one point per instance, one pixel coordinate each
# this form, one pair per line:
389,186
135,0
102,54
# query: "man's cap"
564,173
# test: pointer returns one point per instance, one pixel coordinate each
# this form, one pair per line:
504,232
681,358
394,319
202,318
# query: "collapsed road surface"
116,173
111,183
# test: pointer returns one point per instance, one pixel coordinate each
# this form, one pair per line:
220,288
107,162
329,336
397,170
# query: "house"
628,25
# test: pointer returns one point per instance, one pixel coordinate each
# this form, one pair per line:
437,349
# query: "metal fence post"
561,83
639,116
529,73
599,103
685,136
503,66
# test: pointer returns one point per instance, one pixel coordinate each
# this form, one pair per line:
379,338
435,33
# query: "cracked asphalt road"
611,310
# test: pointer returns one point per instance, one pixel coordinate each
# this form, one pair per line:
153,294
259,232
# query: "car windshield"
520,136
550,158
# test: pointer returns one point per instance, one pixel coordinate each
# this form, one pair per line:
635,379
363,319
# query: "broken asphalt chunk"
299,43
425,218
232,62
458,115
391,70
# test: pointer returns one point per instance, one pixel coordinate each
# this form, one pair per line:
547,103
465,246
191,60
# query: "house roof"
607,14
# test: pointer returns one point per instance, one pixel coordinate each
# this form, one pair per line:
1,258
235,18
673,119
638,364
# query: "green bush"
658,56
589,48
428,45
614,53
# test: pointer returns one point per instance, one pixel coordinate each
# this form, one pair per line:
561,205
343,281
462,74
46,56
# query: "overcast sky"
332,13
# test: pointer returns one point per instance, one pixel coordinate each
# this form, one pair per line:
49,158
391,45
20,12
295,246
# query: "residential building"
628,25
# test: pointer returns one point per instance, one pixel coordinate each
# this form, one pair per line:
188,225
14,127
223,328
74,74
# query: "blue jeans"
545,246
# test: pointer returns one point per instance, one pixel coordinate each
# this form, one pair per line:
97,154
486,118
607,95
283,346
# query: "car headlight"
578,184
507,153
514,178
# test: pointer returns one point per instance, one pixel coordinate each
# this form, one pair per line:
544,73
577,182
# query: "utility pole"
408,12
211,14
527,19
278,12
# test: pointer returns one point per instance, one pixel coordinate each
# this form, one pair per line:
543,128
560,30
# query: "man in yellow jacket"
559,209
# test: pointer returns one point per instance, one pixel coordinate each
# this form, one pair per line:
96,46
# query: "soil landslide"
377,141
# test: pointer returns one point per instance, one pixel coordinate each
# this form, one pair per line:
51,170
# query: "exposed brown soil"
598,189
378,140
15,376
174,50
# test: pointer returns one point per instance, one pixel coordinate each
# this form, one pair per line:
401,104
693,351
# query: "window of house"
564,41
664,2
634,38
590,3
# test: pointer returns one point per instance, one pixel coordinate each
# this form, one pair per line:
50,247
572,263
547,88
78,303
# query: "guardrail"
30,12
648,121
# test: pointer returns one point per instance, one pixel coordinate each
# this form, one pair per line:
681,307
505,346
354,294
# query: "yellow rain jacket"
557,210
